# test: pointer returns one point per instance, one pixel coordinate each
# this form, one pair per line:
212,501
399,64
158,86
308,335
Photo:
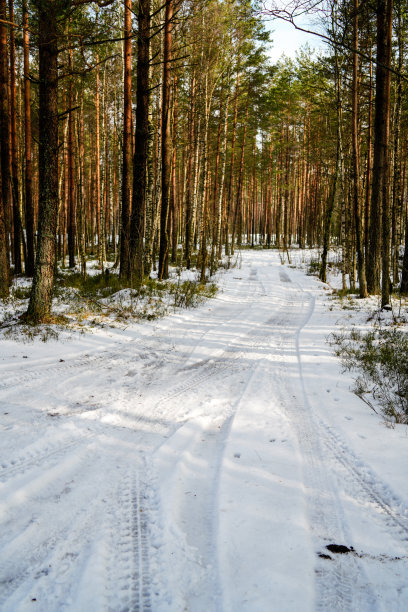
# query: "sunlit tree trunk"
127,144
4,154
378,256
141,145
231,172
17,223
166,143
189,188
71,170
29,206
356,162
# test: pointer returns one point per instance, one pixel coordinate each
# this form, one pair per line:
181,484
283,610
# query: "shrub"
188,294
99,285
313,268
380,357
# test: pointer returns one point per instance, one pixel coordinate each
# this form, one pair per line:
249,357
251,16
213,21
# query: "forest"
148,134
248,454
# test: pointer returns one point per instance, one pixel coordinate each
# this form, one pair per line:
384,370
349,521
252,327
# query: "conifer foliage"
147,134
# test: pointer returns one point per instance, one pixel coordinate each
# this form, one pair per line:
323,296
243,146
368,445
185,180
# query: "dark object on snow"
339,549
323,556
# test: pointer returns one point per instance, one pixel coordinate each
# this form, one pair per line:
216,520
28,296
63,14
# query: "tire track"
365,481
34,459
341,583
45,538
102,361
362,481
130,586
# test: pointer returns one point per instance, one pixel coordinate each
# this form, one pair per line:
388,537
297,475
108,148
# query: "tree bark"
4,155
166,143
356,162
189,189
39,307
386,225
231,173
98,165
238,211
141,146
29,207
127,145
379,213
17,224
71,170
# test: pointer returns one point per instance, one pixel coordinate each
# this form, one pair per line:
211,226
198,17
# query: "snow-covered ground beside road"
201,462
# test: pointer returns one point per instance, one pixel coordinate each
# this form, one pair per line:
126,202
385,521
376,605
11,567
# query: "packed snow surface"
202,462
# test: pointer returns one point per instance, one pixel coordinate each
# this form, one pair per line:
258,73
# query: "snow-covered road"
200,463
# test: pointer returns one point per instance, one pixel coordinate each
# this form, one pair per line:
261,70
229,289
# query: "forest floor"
205,461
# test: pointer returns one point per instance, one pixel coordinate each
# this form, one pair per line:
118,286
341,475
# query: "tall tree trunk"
17,224
238,211
379,213
127,144
189,189
396,184
98,166
368,174
150,225
173,188
141,145
356,162
166,143
218,196
231,173
104,210
203,245
386,222
81,187
4,155
71,170
29,207
41,294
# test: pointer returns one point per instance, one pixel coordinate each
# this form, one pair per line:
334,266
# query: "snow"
202,461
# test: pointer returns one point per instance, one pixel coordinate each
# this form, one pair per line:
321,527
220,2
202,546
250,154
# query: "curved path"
195,464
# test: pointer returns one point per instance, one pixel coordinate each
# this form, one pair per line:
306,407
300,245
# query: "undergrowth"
100,300
380,359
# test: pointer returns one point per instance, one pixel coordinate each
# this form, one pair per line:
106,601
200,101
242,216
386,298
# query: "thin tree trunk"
397,187
238,211
385,195
356,162
189,190
368,174
231,173
173,188
127,144
218,203
17,224
29,207
379,195
4,155
71,170
81,192
166,143
98,166
141,145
